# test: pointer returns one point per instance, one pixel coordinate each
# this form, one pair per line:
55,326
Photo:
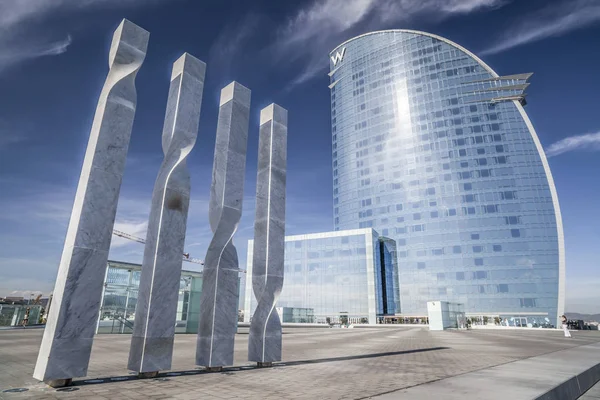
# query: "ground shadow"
165,376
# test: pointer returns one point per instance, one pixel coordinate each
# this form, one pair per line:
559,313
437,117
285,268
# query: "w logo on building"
338,56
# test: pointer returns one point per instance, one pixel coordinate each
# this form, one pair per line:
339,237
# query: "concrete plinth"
148,375
264,364
59,383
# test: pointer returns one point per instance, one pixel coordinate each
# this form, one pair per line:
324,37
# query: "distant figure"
565,326
26,317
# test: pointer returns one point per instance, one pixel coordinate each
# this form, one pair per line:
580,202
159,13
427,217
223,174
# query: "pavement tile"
319,363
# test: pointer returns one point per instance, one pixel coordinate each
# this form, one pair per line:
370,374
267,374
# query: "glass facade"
119,299
344,277
296,315
433,149
14,314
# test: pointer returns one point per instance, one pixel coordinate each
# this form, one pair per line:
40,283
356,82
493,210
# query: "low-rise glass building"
119,299
345,276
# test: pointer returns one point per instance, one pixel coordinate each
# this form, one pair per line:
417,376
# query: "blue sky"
53,62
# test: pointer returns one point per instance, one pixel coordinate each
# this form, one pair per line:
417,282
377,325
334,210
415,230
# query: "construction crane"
186,256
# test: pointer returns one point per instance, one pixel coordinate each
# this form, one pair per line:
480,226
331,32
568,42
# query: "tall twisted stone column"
155,315
264,344
67,342
220,285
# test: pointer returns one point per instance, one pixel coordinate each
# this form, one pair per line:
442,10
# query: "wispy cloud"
315,30
587,142
13,133
556,19
232,39
23,33
33,50
7,139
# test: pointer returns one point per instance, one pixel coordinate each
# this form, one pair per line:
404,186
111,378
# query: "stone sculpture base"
148,375
267,364
59,383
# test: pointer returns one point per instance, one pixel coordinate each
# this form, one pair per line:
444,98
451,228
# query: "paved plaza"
318,364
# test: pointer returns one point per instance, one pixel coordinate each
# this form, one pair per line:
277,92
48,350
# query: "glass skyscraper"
433,148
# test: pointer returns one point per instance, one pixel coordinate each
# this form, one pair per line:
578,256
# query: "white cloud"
555,20
587,142
35,51
22,32
133,228
315,30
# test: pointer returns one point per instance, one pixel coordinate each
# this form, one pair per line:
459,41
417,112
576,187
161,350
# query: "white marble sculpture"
264,345
67,341
220,286
154,328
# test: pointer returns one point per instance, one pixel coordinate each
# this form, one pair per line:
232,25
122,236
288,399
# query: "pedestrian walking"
565,326
26,317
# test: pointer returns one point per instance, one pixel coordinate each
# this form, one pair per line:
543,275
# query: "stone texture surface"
154,327
269,235
327,364
220,284
558,375
593,393
65,349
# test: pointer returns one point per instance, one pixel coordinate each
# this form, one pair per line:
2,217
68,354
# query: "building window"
527,303
420,265
515,233
460,276
512,220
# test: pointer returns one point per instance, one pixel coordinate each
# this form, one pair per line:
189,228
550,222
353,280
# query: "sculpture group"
67,342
